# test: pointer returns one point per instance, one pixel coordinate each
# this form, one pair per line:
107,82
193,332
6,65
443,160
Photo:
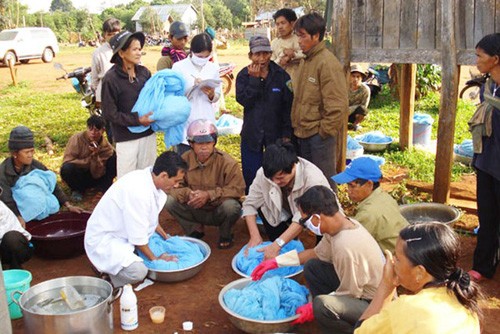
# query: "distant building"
168,14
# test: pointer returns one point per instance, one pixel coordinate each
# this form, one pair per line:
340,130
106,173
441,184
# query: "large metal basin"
426,212
93,320
60,235
182,274
249,325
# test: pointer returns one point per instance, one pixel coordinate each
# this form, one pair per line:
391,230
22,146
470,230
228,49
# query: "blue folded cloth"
352,144
163,94
246,264
271,298
33,194
375,137
465,148
423,119
188,253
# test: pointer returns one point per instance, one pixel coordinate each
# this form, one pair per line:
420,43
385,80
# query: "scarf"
174,54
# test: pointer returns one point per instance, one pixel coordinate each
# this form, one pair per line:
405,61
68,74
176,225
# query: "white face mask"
314,229
199,61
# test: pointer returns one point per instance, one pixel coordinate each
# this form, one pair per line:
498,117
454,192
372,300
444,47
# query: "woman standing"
120,90
443,298
196,68
486,160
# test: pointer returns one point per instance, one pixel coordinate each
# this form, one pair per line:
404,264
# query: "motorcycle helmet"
202,131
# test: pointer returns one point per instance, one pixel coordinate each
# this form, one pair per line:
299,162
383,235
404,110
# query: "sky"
93,6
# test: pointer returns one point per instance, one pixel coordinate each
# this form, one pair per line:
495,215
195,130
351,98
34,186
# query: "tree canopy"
62,5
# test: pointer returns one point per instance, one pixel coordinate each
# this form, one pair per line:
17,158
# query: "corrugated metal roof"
164,10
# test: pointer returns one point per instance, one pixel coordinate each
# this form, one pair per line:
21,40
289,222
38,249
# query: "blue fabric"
423,119
465,149
352,144
33,194
379,160
271,298
164,95
246,264
374,137
188,253
229,125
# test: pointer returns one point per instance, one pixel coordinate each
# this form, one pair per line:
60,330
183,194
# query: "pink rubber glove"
306,314
262,268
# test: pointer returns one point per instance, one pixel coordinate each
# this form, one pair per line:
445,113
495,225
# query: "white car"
23,44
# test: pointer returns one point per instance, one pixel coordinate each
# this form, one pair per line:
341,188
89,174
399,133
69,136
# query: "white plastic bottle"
128,309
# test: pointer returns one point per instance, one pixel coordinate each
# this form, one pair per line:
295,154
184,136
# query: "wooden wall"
393,30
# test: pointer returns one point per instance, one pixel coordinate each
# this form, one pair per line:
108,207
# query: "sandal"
476,276
225,243
197,234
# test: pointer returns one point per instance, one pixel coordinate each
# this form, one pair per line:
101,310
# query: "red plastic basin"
59,236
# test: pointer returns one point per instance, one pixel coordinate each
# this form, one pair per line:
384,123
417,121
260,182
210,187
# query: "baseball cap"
118,41
178,30
360,168
260,44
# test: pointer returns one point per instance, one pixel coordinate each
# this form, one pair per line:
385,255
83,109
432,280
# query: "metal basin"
426,212
242,274
60,235
249,325
96,319
178,275
375,147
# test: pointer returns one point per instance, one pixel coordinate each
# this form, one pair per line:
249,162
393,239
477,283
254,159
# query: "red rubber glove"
306,314
262,268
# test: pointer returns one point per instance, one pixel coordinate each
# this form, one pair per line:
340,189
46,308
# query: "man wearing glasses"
343,271
377,211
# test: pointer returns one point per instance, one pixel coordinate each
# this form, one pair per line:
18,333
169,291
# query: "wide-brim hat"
119,40
359,69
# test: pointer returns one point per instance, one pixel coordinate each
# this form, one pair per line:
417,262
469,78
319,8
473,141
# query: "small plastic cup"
187,325
157,314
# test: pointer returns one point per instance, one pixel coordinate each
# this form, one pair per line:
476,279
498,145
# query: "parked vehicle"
24,44
227,76
473,87
375,78
80,79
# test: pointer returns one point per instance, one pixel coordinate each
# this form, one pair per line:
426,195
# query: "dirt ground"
197,299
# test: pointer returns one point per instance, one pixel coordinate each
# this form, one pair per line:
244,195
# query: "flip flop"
476,276
225,243
197,234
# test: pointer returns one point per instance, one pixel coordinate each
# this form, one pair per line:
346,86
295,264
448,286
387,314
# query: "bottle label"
128,317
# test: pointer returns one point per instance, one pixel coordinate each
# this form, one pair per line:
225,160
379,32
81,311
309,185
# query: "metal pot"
96,319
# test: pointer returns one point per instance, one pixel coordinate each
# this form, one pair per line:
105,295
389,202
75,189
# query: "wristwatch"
280,242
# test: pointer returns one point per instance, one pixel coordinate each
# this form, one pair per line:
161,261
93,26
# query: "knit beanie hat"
21,137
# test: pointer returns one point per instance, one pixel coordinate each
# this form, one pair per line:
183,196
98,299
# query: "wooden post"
13,72
341,44
407,105
450,74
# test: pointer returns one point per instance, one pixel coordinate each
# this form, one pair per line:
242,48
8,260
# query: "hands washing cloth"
187,253
246,264
273,298
33,194
375,137
163,94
